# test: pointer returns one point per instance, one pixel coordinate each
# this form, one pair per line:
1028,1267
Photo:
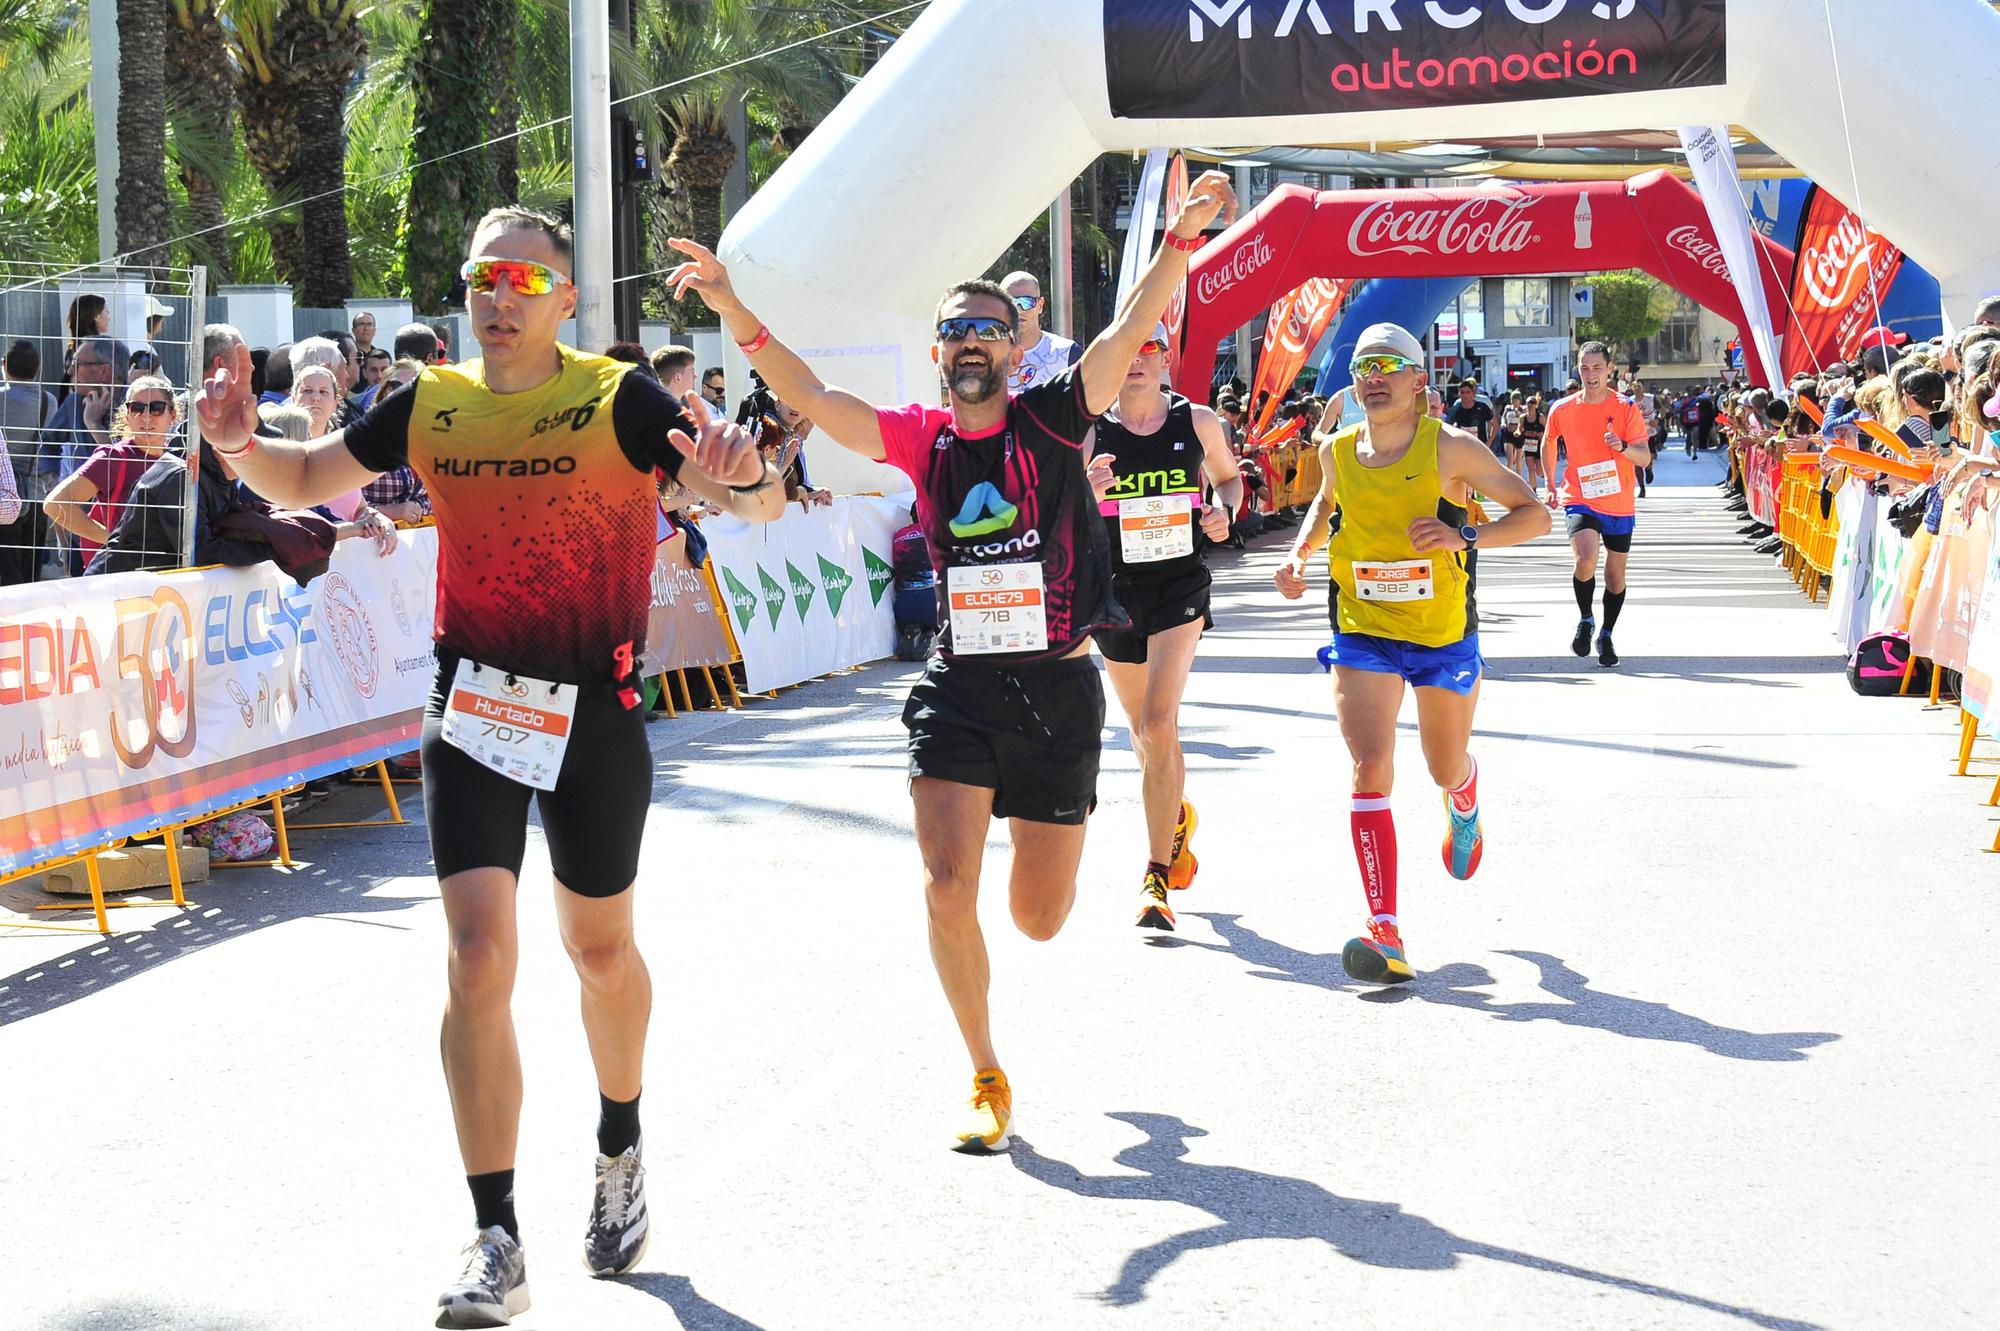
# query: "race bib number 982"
1393,582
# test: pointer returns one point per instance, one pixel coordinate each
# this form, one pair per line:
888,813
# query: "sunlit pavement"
1707,1042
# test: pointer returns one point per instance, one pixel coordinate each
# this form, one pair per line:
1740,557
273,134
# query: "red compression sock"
1374,827
1466,798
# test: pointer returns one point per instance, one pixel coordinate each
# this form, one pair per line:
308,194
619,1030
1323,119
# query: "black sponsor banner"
1180,59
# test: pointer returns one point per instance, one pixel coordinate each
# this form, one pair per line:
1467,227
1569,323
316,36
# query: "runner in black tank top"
1163,451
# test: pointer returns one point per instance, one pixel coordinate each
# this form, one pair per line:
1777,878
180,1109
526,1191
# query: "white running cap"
1389,339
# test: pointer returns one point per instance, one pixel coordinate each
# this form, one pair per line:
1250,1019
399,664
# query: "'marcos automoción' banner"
1183,59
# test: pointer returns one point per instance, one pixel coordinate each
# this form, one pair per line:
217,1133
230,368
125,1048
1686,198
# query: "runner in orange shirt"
1608,442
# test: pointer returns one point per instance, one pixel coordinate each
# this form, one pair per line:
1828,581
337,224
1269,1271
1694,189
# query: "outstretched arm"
290,475
1106,360
850,421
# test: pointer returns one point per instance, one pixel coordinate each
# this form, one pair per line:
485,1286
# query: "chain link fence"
95,404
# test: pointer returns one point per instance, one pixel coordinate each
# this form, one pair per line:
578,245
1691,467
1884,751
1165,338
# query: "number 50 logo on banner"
154,645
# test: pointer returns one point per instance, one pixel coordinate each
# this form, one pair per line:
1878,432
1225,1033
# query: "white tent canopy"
984,111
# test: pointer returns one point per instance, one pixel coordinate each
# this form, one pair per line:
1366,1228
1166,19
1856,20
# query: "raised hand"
722,450
704,275
225,406
1209,197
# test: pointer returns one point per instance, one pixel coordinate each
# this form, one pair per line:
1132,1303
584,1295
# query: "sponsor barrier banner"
1213,59
811,593
684,627
1842,269
134,701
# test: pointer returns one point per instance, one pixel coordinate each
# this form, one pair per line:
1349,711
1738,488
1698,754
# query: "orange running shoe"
992,1115
1377,958
1154,912
1181,868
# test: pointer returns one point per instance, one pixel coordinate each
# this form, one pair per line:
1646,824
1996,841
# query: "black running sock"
617,1124
1613,603
1154,866
1585,593
493,1201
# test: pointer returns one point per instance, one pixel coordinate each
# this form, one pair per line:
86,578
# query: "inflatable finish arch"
1654,223
984,110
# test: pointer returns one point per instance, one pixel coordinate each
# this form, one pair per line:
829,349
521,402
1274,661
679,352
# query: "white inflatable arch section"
985,109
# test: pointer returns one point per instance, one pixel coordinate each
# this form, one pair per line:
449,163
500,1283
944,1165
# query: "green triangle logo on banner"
880,576
803,589
774,595
742,600
837,582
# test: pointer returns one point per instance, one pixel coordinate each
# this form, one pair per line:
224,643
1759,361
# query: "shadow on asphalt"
695,1312
135,1317
230,904
1650,750
1252,1205
1457,984
1694,669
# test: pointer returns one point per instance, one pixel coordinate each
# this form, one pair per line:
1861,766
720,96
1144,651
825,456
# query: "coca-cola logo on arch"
1242,263
1482,225
1690,241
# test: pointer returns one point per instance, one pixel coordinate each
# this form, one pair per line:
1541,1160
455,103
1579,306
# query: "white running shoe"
492,1287
619,1228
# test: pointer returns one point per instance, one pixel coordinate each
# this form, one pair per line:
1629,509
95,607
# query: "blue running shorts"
1456,666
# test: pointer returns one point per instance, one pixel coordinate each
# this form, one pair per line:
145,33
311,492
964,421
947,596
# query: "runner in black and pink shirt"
1007,718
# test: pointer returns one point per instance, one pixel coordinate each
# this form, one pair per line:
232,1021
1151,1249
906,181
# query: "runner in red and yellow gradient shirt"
540,462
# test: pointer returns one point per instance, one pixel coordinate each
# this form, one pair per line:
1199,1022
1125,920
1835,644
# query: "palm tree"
455,177
295,61
201,106
48,172
145,216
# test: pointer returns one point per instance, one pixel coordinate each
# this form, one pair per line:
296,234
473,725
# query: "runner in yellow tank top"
1391,514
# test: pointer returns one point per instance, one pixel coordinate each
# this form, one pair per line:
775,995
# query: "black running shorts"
592,819
1578,519
1032,737
1156,605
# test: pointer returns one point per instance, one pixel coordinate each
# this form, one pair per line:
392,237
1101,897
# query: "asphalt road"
1706,1044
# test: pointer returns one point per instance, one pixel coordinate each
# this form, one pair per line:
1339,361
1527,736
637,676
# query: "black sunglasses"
984,328
153,408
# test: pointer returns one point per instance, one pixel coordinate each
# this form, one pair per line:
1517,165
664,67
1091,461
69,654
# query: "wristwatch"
1469,534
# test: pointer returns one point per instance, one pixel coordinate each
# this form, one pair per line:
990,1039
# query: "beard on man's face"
975,383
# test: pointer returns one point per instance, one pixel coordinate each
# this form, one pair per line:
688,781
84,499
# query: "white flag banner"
135,701
1139,233
811,593
1712,159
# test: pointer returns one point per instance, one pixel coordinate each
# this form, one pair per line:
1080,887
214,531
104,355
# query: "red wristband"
757,343
222,452
1188,246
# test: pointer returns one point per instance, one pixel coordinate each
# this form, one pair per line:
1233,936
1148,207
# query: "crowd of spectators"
1940,399
95,459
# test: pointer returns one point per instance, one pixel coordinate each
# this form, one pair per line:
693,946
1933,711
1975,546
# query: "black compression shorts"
592,819
1156,605
1033,737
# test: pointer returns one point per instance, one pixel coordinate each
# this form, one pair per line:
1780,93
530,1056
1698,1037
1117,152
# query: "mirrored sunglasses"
1365,366
964,330
526,279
